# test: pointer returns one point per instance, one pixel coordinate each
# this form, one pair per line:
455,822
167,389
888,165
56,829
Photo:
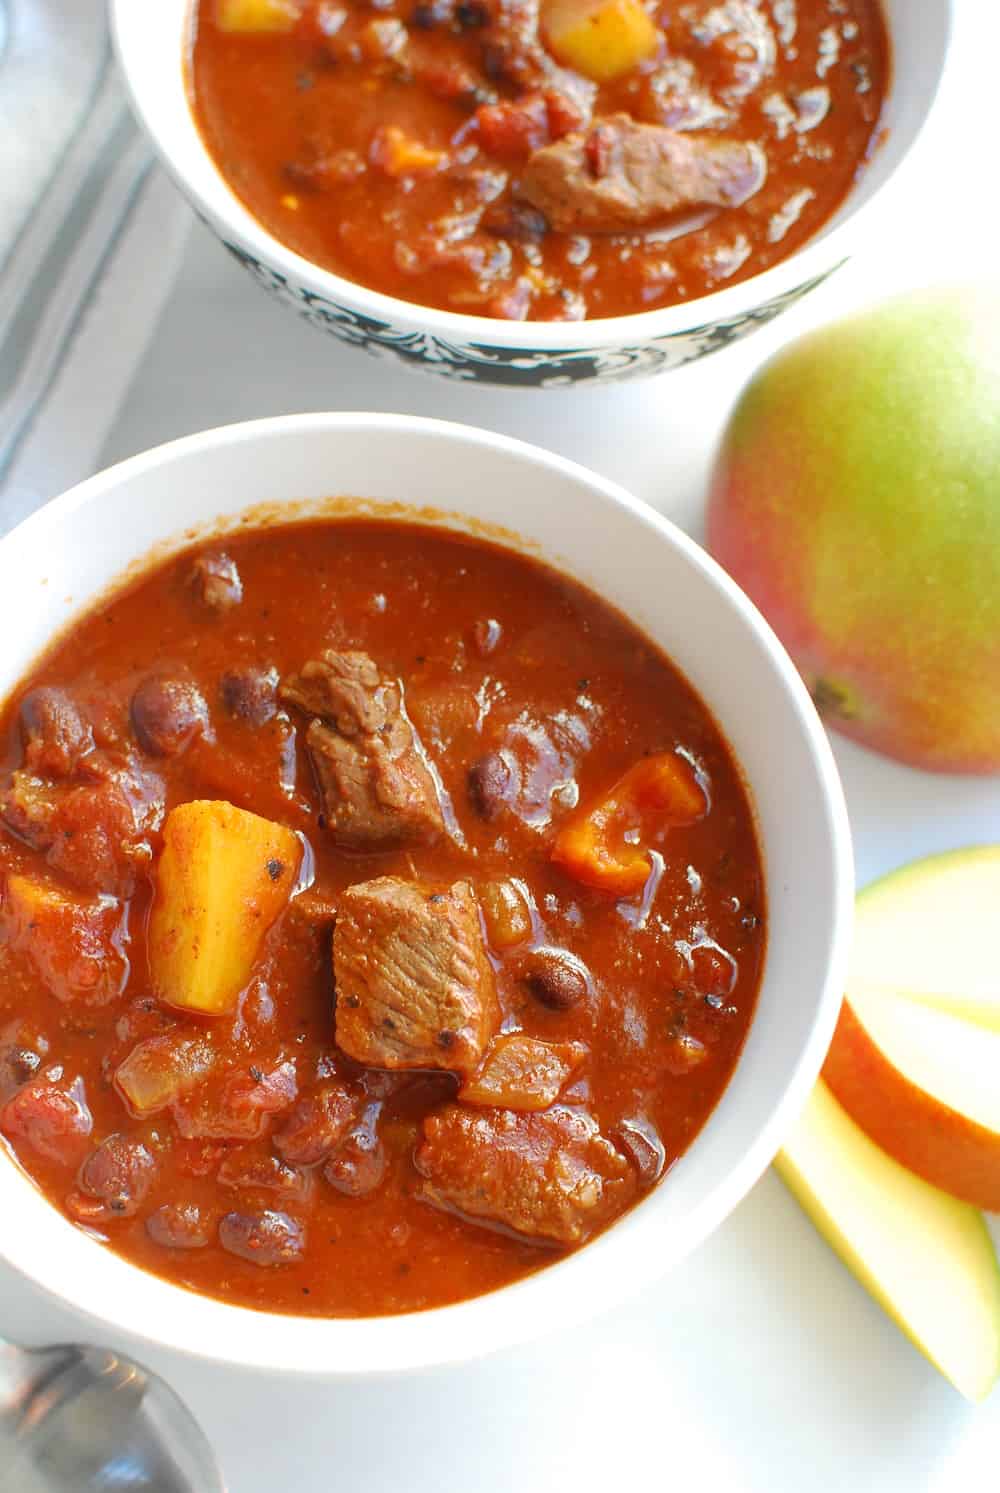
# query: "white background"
759,1366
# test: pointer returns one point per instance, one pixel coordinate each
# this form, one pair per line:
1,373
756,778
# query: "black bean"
267,1238
641,1143
428,15
557,978
56,736
167,714
490,781
178,1226
216,581
119,1173
471,14
514,220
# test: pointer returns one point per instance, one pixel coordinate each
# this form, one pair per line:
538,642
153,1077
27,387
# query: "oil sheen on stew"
382,916
541,159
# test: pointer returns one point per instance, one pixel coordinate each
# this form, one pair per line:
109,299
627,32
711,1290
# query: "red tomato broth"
293,122
674,993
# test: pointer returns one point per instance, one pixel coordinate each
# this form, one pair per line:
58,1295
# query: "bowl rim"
528,1308
817,257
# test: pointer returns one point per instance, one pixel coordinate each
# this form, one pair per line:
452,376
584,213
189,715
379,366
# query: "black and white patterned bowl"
152,43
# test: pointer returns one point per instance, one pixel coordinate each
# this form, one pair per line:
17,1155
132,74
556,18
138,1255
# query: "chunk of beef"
250,694
621,176
56,735
548,1176
117,1176
317,1124
415,988
95,830
167,714
266,1238
51,1115
374,779
216,582
178,1226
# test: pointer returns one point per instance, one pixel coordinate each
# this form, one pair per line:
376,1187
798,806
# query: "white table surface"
759,1366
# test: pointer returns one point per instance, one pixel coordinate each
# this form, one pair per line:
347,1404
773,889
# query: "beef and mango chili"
381,916
541,159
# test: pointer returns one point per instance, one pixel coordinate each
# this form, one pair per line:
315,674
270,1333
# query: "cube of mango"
223,878
256,15
602,39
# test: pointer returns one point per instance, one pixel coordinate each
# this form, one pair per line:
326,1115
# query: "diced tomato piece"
239,1107
262,1093
564,112
447,78
75,942
51,1115
598,148
513,129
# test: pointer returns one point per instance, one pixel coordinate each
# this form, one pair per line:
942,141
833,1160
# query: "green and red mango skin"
856,499
926,1136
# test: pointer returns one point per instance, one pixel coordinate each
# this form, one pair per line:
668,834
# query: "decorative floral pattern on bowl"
518,368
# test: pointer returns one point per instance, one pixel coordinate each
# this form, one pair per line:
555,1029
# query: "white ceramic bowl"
61,559
152,39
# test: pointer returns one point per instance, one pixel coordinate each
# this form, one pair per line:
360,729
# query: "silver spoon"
77,1419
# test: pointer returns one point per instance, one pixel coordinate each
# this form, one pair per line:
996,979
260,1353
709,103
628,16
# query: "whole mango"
856,499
